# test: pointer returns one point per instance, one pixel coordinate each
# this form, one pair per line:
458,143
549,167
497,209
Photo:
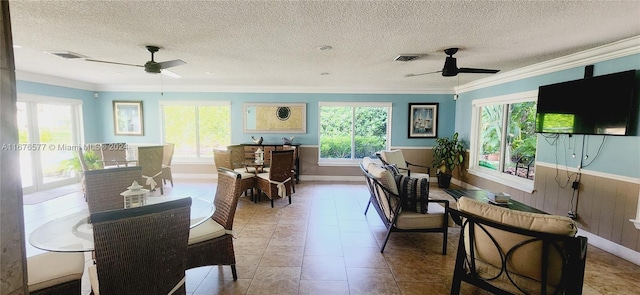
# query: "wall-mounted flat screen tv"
602,105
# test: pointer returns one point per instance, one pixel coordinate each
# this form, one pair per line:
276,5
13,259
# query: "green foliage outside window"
348,132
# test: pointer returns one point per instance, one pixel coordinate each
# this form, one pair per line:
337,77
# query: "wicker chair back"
103,187
142,250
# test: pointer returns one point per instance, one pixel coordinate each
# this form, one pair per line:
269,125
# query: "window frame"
498,176
200,157
350,162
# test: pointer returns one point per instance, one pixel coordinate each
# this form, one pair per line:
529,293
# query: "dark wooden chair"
277,183
512,252
385,198
103,187
141,250
211,243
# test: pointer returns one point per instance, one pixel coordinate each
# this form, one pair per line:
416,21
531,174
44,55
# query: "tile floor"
323,244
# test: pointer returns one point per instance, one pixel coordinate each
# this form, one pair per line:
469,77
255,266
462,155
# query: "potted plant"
447,155
90,157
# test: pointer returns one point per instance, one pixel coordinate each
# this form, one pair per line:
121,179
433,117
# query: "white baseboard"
611,247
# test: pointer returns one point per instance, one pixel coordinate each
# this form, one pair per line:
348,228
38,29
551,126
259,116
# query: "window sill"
518,183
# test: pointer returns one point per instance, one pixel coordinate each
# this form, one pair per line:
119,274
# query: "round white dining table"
74,233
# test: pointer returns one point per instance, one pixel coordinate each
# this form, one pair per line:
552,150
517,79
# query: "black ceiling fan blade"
171,63
413,75
477,71
113,62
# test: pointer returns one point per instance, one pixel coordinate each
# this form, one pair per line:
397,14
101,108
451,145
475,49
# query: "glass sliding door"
48,134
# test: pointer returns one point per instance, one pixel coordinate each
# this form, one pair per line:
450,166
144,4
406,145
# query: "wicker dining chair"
103,187
150,158
141,250
211,243
114,154
167,157
294,167
278,181
223,159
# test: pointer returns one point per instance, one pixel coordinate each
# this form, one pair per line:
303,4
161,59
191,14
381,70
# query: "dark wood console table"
481,195
246,152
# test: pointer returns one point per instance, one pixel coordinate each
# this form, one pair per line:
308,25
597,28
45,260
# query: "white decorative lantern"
135,195
259,156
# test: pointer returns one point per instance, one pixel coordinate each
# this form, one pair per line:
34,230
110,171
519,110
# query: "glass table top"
73,233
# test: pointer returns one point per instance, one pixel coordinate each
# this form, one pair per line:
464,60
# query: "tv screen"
603,105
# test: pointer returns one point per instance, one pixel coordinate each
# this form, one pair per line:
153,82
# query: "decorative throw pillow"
416,192
392,168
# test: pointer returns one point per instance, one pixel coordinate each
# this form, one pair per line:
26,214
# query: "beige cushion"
206,231
385,177
244,174
394,157
415,220
524,263
53,268
547,223
366,161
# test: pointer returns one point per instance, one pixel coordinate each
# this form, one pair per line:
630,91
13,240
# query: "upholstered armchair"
397,158
506,251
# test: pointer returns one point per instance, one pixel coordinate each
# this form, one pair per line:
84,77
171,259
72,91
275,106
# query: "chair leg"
444,241
386,239
289,199
367,208
271,203
234,272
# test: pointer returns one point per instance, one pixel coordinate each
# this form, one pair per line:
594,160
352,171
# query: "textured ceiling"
258,45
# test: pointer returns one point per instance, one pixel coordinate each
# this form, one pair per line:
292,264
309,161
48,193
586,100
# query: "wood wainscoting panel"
604,205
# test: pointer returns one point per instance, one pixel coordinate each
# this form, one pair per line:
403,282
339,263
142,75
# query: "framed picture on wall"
127,118
423,120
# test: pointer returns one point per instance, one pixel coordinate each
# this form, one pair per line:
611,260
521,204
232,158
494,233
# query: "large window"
503,144
351,131
196,128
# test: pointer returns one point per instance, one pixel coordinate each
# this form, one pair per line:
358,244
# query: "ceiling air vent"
66,54
407,57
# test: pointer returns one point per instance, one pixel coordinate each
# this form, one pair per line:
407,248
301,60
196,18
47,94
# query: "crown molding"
278,89
53,80
602,53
